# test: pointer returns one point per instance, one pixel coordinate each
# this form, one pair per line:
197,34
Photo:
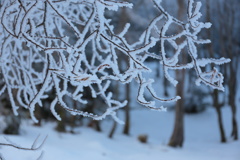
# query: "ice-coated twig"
68,46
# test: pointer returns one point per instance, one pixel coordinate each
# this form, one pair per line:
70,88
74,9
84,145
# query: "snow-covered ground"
201,140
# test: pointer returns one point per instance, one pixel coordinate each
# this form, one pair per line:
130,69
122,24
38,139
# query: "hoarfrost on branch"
69,45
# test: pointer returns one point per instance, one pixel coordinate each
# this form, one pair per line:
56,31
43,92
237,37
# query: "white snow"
202,140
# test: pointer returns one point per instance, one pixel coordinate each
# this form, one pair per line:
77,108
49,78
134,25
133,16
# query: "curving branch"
68,46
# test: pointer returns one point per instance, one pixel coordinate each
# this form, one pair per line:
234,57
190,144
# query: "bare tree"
227,44
215,95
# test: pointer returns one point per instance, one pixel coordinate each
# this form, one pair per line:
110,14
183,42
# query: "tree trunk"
215,94
38,115
165,86
177,137
113,129
61,125
123,20
232,95
219,114
12,122
127,110
114,122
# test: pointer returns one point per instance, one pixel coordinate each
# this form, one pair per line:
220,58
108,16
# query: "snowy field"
201,140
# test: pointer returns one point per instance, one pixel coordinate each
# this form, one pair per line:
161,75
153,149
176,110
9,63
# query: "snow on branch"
68,46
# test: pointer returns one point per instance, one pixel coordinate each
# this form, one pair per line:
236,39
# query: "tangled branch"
68,46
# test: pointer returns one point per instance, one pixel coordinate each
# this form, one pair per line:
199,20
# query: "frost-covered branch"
68,46
189,32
